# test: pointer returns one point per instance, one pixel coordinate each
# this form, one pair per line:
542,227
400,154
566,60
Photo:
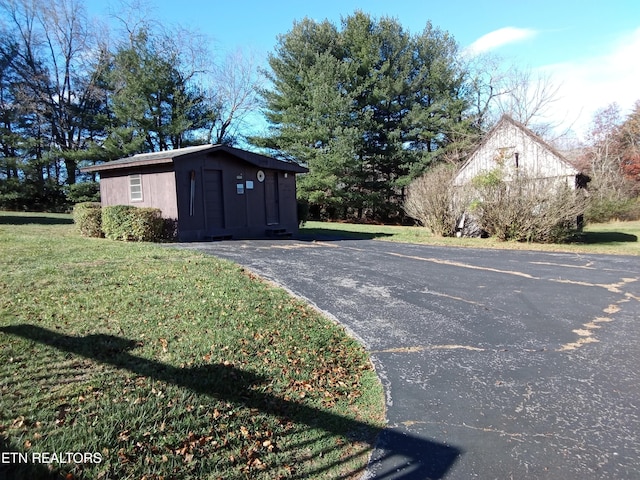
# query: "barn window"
135,188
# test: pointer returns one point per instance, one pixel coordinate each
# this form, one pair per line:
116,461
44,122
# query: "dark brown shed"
211,191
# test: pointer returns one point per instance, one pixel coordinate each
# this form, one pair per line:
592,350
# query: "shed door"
271,197
213,204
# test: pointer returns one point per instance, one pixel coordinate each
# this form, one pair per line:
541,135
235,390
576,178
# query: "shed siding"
213,199
158,190
243,214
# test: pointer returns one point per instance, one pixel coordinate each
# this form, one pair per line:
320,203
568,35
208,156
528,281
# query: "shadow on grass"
606,237
398,455
330,234
15,464
40,219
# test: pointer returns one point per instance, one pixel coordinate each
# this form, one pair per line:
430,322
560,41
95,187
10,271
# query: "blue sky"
590,48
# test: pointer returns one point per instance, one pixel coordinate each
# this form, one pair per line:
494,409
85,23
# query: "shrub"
116,222
83,192
147,224
169,229
88,218
601,210
525,208
128,223
31,195
433,201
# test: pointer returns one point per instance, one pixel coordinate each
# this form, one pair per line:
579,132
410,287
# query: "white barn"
513,147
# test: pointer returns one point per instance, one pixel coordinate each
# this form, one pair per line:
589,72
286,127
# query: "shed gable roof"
169,156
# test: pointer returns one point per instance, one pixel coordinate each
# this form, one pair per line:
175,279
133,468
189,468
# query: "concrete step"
278,232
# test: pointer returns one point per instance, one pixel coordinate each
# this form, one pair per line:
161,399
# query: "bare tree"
229,88
487,83
53,50
525,95
529,98
603,155
611,191
233,92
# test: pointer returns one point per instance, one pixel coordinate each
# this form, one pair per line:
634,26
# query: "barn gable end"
512,146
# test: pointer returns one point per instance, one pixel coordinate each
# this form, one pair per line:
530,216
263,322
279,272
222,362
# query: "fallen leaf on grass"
122,456
18,422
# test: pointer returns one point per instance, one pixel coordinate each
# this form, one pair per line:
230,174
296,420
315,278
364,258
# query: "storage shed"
211,191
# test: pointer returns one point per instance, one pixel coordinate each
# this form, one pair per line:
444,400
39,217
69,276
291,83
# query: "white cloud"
498,38
592,83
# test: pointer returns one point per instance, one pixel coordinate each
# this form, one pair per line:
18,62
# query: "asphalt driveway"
496,364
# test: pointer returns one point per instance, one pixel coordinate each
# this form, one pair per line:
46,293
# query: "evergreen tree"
154,106
366,107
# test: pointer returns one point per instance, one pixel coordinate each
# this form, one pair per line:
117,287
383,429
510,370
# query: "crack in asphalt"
520,436
612,287
453,297
430,347
586,334
463,265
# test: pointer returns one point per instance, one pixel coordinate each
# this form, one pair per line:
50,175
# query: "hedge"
602,210
88,218
128,223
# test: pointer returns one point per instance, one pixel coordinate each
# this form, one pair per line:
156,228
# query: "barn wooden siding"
513,147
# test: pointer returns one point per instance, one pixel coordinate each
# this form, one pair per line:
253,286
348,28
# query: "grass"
620,238
163,363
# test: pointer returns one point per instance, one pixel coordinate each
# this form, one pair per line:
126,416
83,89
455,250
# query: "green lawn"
164,363
619,238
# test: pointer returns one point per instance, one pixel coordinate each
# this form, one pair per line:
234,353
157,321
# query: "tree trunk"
71,166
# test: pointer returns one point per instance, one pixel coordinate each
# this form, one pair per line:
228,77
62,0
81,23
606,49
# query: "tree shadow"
606,237
398,455
330,235
26,219
15,464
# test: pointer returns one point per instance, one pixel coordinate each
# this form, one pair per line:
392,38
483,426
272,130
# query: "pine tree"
366,107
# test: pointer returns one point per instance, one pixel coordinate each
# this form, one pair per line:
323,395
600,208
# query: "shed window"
135,188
